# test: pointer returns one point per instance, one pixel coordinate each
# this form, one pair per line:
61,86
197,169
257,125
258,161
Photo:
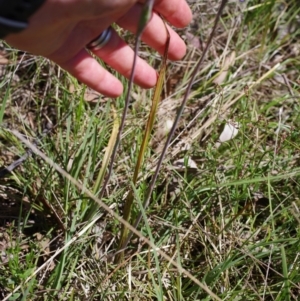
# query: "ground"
226,203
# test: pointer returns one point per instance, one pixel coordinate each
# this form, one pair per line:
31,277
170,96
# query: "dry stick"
108,210
153,181
145,17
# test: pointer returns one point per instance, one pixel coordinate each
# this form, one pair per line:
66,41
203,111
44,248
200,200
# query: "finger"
87,70
119,56
177,12
155,34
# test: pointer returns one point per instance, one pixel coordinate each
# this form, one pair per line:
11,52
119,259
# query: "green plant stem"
180,110
145,17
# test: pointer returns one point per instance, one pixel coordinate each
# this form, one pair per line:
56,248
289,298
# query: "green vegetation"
232,221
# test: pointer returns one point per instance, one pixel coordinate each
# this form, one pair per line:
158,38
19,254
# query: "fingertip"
177,50
107,84
177,12
186,16
112,90
88,71
147,78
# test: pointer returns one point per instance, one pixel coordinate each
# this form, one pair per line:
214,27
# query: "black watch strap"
14,14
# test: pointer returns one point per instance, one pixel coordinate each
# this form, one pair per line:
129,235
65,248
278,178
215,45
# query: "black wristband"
14,14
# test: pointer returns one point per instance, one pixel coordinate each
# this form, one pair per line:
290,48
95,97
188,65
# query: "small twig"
6,170
288,84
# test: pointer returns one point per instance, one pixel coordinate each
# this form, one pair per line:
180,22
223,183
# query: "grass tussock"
224,209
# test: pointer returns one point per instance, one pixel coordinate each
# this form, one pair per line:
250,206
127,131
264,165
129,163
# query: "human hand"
61,29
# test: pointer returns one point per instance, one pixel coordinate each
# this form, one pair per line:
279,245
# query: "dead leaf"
231,129
180,164
3,59
91,95
228,62
72,88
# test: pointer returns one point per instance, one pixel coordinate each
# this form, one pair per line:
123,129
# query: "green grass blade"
285,289
105,162
108,152
149,127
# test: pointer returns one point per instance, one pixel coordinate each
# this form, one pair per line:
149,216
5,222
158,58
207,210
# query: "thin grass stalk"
180,110
105,162
145,17
108,152
144,145
86,228
286,290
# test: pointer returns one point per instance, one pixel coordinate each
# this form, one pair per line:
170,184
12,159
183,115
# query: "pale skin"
61,29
